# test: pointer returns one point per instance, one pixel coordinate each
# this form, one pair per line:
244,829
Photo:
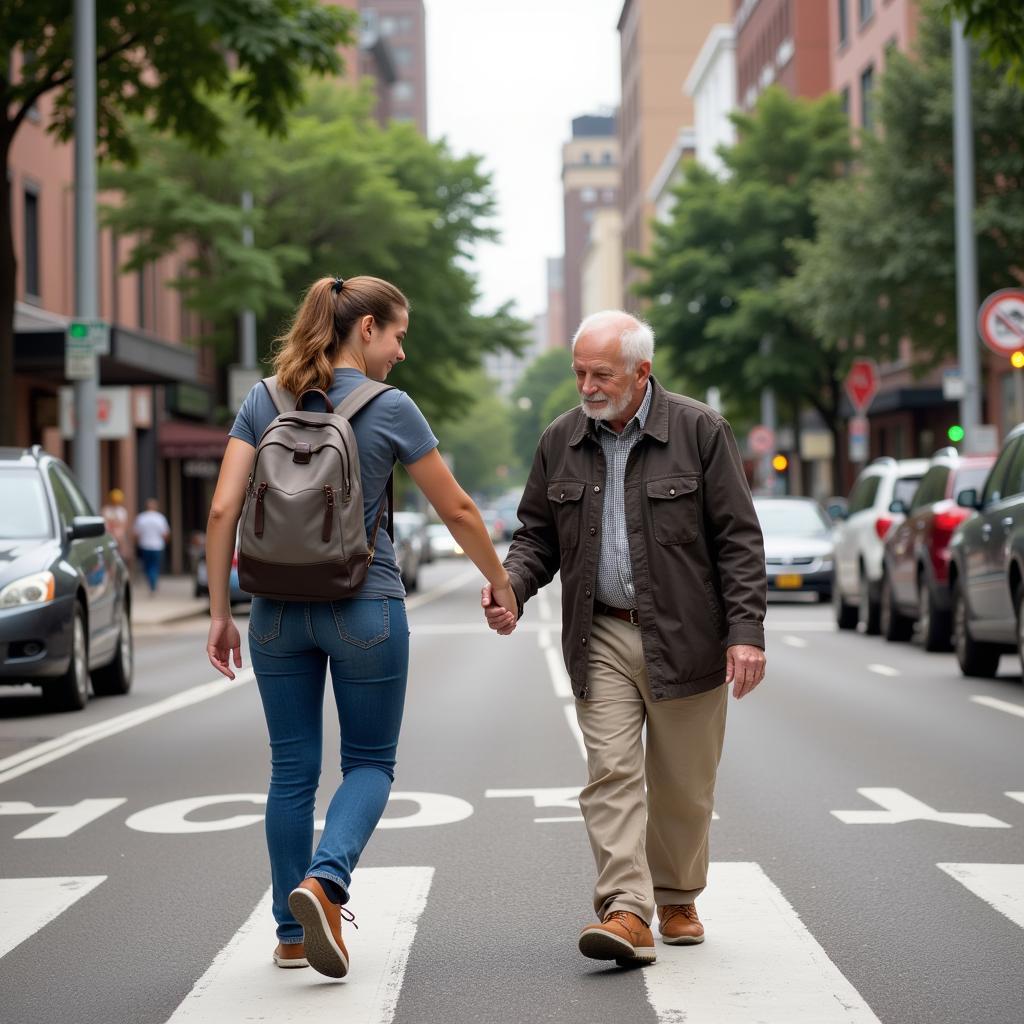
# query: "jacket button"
583,640
597,490
587,592
592,531
562,496
671,490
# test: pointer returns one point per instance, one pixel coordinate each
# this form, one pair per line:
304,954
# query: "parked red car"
915,569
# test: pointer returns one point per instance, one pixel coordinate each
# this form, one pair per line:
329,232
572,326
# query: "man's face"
607,386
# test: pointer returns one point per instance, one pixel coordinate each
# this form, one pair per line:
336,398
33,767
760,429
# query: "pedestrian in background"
344,333
639,500
152,531
115,515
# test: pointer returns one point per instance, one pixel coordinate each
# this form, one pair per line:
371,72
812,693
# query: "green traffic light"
955,433
79,330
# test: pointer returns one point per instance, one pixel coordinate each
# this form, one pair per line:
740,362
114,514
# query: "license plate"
791,581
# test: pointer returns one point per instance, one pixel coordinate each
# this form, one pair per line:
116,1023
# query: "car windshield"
904,489
792,519
24,513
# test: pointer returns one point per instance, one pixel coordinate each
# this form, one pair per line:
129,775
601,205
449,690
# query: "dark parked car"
915,573
987,566
409,542
798,545
65,596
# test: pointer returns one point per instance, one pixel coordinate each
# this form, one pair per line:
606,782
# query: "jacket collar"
656,424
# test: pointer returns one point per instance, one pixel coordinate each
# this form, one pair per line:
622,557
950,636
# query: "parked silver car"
798,545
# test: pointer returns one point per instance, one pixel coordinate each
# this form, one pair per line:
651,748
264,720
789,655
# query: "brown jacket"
695,542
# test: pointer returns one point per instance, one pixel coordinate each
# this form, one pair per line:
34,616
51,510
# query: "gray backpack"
302,536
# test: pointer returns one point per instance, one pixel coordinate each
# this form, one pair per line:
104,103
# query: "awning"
135,358
178,439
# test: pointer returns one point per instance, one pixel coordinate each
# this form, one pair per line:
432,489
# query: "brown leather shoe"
679,925
622,937
290,954
321,926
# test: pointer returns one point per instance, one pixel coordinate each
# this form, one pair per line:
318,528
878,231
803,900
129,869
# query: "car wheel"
846,614
867,610
974,658
932,625
116,678
893,624
71,691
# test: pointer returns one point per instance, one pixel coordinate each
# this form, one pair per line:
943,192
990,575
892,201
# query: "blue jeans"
151,561
366,644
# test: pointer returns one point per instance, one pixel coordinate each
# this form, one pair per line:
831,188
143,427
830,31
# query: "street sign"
79,359
862,383
857,437
113,413
1001,321
952,384
97,331
760,440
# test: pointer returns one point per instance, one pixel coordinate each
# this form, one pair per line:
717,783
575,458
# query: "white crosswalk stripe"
243,984
999,885
28,904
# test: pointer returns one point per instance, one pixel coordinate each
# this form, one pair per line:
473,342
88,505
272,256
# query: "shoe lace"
347,915
687,910
619,915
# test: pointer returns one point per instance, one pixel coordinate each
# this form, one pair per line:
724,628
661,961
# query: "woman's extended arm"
221,529
462,517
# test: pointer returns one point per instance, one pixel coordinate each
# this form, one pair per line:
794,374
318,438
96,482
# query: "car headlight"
35,589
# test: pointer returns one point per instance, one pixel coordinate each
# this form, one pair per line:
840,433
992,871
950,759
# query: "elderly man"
640,501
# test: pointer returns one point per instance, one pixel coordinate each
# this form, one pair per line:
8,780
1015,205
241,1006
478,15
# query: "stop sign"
862,383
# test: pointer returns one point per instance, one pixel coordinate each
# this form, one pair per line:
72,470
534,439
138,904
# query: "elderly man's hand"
499,606
744,668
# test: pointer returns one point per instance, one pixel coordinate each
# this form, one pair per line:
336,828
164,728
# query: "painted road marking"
1019,797
34,757
60,822
760,962
556,669
456,583
901,807
884,670
999,885
800,627
476,628
242,984
28,904
794,641
1000,705
574,728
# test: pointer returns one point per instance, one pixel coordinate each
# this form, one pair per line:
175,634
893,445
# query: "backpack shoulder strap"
362,395
284,401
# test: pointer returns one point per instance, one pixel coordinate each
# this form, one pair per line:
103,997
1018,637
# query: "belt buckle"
634,619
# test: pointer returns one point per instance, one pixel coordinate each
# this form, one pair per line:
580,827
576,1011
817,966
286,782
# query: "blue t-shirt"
391,427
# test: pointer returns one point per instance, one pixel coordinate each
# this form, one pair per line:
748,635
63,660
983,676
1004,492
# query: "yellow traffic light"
1017,360
780,463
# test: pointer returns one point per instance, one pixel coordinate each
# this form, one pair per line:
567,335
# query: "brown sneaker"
679,925
622,937
290,954
321,926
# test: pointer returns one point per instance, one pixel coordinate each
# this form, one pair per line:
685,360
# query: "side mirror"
968,498
86,526
837,513
898,508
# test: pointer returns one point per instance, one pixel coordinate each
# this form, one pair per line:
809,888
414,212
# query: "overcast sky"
505,79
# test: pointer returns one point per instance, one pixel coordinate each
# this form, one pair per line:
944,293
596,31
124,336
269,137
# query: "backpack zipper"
328,513
260,491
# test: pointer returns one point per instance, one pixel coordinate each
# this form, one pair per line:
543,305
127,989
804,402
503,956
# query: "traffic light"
955,433
1017,360
780,463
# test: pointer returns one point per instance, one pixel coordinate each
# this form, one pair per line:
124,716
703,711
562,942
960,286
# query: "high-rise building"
402,26
784,41
659,41
556,334
711,83
590,184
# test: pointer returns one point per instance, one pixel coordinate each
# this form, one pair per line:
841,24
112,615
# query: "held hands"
744,667
222,643
500,608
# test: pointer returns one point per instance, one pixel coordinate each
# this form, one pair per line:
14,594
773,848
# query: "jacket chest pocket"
566,498
673,501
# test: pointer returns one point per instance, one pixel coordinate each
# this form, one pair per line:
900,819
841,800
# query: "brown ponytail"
306,352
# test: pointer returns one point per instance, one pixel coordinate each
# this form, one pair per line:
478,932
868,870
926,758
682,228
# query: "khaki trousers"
651,849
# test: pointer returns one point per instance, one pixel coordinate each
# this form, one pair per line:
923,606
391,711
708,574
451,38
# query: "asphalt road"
868,859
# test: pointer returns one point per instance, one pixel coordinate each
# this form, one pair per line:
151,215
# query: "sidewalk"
173,601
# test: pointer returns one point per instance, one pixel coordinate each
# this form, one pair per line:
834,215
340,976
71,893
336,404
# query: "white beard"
608,411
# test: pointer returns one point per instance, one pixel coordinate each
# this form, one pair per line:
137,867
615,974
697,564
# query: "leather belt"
626,614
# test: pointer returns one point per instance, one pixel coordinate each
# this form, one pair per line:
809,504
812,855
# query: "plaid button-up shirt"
614,569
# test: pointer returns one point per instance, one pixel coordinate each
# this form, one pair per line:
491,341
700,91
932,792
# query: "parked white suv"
861,534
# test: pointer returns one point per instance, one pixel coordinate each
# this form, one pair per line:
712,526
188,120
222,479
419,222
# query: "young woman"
344,332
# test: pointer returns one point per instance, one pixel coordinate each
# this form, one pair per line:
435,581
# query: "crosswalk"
760,963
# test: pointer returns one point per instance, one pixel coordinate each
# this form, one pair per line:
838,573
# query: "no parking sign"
1001,321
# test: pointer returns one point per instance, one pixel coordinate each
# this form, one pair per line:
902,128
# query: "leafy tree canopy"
545,375
998,26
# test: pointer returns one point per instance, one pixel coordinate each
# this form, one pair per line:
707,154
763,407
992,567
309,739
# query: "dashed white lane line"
28,904
884,670
999,885
34,757
794,641
760,962
243,985
1000,705
574,728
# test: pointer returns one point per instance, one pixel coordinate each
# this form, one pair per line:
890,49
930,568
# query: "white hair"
637,338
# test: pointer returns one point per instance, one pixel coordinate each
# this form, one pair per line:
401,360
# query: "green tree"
719,266
165,60
883,266
542,377
998,27
337,195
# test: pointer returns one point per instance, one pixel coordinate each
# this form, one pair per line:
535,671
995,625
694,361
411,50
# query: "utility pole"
86,445
966,253
248,316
